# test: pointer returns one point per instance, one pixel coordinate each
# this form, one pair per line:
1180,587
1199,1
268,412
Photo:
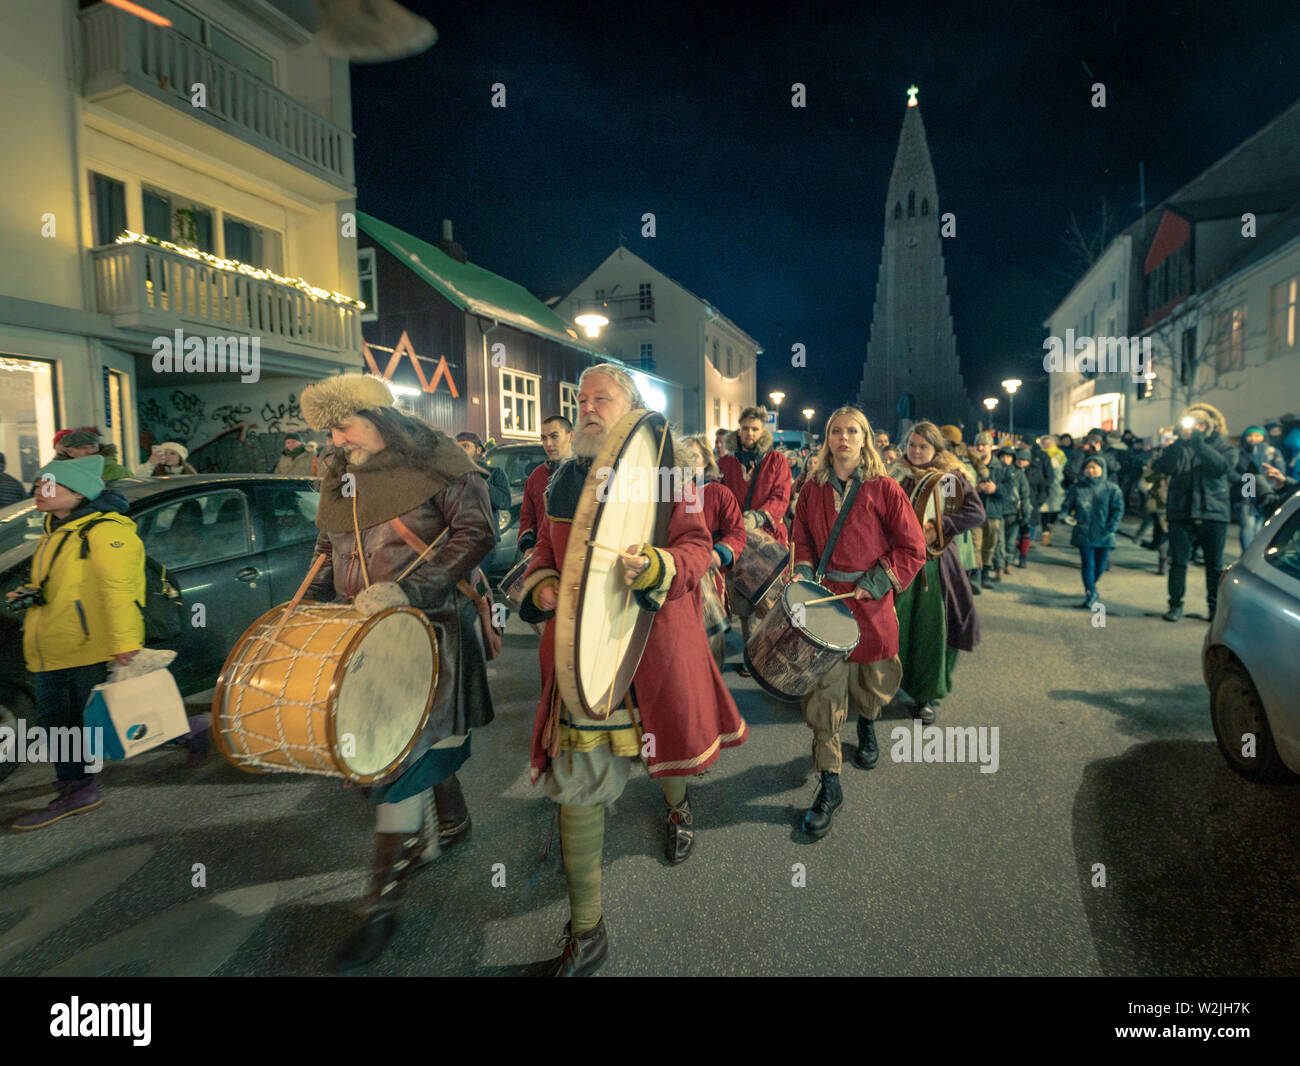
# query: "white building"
224,143
656,324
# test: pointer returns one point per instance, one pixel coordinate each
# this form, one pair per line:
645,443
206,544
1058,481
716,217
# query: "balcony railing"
629,308
120,48
146,285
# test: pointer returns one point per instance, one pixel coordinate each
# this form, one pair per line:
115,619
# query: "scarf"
387,486
565,489
747,457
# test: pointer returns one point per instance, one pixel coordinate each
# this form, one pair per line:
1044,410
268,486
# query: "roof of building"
473,289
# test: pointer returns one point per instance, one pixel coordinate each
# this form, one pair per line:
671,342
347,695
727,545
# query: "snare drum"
755,570
715,614
512,587
332,693
795,646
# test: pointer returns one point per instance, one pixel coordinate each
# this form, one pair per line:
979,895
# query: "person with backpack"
85,597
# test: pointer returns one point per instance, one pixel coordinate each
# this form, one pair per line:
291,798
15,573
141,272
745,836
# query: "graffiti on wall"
185,417
282,416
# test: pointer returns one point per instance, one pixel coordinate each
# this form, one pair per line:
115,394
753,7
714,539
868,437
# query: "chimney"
448,245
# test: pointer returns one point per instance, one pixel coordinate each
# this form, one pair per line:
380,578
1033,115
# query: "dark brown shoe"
395,854
681,833
581,955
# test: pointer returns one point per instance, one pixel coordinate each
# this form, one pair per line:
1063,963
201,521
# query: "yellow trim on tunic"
621,730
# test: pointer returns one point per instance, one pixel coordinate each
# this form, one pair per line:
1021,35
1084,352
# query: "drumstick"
422,554
297,596
616,551
829,599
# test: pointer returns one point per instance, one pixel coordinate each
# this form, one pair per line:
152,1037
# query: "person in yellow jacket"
91,586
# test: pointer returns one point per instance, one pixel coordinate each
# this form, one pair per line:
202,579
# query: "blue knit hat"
84,475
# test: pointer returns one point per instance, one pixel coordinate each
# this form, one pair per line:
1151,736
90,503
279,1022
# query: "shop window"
109,199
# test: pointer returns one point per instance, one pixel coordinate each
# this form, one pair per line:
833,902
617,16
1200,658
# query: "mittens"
379,597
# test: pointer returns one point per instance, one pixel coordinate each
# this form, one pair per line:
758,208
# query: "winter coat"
679,694
881,534
172,471
11,490
533,508
1055,488
1291,446
1098,505
726,526
1202,470
1004,501
1250,461
1026,503
94,601
1117,459
1156,486
1079,457
298,463
762,486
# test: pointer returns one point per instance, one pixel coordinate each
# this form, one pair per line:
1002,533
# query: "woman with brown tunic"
936,613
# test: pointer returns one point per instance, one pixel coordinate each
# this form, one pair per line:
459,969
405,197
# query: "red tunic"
881,528
677,689
726,526
771,488
533,508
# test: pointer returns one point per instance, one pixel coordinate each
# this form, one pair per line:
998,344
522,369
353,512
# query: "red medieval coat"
771,483
726,526
533,508
881,529
677,689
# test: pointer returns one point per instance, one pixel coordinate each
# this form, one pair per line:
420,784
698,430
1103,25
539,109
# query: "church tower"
911,370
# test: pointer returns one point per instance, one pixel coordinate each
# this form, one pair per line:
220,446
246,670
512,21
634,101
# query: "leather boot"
454,823
817,820
582,954
1174,613
868,753
1047,538
681,832
973,576
394,855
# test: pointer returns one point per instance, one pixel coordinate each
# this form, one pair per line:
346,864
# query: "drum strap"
753,484
850,494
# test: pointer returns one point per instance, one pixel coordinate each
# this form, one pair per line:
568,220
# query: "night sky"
776,214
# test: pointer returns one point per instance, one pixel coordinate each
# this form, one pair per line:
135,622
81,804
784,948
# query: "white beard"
358,457
588,447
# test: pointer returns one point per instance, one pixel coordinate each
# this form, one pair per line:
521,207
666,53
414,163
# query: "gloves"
754,520
379,597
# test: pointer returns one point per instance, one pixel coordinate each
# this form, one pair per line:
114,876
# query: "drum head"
383,693
831,625
601,630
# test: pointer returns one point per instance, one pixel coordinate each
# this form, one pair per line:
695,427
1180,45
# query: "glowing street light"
592,323
808,412
776,398
990,402
1011,384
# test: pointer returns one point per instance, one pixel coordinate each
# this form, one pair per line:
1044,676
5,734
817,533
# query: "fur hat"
984,438
951,434
1204,412
337,399
172,446
80,437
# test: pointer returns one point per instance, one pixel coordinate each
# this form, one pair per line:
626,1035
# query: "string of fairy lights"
236,267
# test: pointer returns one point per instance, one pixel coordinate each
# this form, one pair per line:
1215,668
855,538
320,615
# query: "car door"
286,511
205,539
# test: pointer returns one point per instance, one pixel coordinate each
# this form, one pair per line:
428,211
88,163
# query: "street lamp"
808,412
776,398
592,323
1011,384
990,402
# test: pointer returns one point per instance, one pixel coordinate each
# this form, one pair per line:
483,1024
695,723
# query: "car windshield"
19,523
518,463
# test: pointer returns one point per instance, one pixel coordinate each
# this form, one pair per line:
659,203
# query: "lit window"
1283,302
367,281
519,415
569,401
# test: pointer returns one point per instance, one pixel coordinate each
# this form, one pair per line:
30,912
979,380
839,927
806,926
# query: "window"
647,356
925,206
519,417
731,370
197,530
251,244
1187,360
717,360
717,413
28,409
647,298
1283,550
600,296
288,514
1112,290
115,402
1230,340
176,219
1282,317
898,209
569,401
367,282
911,204
109,199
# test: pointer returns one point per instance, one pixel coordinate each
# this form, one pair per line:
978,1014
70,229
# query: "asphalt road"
1106,762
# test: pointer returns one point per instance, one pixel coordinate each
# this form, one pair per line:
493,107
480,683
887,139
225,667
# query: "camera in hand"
28,596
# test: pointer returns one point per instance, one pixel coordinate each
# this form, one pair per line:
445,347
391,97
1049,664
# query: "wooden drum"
794,646
715,614
331,693
755,570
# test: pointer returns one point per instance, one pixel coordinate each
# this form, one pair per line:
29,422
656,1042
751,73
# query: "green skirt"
927,660
434,766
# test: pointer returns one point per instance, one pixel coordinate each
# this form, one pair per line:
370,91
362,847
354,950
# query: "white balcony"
155,290
124,53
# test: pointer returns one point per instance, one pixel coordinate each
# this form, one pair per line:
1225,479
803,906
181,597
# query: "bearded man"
677,696
400,485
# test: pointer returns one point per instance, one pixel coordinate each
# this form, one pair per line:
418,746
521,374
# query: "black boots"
1022,563
817,820
1174,613
681,834
987,580
868,754
973,576
395,854
582,954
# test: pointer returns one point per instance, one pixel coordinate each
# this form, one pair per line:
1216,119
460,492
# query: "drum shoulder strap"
850,494
419,547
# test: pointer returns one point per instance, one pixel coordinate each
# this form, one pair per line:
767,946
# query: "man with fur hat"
759,477
1200,465
677,700
86,441
401,485
296,458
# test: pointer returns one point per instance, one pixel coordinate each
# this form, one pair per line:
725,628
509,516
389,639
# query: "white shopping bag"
137,714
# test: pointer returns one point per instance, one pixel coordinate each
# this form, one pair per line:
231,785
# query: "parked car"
236,543
1249,657
518,461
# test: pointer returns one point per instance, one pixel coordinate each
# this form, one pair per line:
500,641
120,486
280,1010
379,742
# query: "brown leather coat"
462,700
